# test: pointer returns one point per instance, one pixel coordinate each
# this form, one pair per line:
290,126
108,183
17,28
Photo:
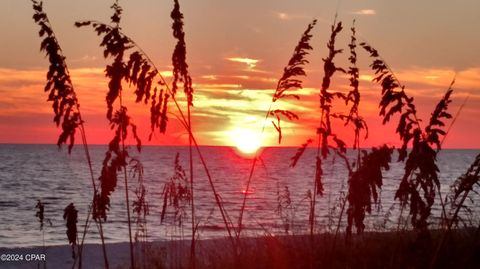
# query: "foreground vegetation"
417,192
371,250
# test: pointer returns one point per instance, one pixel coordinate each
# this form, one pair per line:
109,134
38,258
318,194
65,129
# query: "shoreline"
396,249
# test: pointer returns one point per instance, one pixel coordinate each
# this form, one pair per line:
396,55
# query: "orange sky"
236,52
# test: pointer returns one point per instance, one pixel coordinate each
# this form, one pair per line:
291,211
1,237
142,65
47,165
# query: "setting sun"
246,141
179,134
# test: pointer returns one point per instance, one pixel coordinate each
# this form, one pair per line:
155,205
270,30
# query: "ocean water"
32,172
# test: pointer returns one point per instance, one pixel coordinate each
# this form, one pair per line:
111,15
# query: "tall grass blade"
288,81
65,103
420,181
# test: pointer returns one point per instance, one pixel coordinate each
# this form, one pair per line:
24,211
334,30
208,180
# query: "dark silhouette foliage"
353,95
461,190
115,159
295,67
394,100
137,71
420,181
40,213
179,57
300,152
463,186
130,65
324,131
363,186
176,193
318,176
285,208
65,103
433,130
59,85
70,215
290,80
140,206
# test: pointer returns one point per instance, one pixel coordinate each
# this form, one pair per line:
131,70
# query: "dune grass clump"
116,158
140,206
59,85
117,44
364,185
420,182
70,215
136,70
462,188
289,82
181,74
461,191
66,106
419,185
285,208
140,210
40,213
176,194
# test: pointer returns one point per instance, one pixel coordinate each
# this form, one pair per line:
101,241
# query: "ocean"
29,173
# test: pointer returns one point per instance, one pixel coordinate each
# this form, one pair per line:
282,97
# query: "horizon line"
207,145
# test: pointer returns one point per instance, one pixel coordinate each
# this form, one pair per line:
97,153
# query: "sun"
246,141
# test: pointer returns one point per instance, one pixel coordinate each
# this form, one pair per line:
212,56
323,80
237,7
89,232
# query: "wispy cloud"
166,74
286,16
85,58
210,77
251,63
282,16
366,77
367,12
218,86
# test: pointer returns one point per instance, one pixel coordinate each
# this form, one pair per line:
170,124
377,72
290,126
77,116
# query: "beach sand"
172,253
399,249
61,256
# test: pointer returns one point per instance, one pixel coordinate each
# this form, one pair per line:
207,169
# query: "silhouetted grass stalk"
181,74
127,200
354,96
324,130
40,214
286,82
57,60
463,186
184,120
420,167
444,217
192,246
141,209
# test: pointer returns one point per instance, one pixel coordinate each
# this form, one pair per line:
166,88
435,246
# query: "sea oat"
420,181
70,215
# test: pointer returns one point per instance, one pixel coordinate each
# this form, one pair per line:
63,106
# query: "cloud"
217,86
224,101
85,58
251,63
210,77
285,16
440,78
166,74
366,12
366,77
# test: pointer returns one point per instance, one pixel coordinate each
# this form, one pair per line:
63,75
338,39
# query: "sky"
236,51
